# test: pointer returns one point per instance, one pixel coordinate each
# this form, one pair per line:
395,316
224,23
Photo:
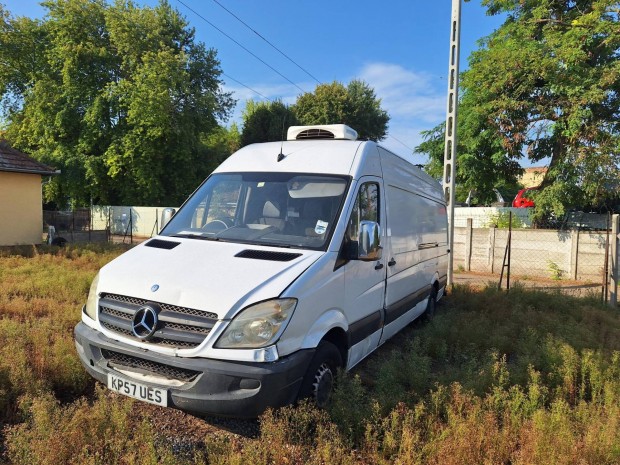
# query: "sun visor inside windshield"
301,187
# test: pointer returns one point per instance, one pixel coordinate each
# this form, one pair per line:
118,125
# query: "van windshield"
273,209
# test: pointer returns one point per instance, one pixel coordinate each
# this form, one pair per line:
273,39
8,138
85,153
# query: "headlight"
91,303
257,326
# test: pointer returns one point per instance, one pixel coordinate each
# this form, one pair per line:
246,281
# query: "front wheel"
319,381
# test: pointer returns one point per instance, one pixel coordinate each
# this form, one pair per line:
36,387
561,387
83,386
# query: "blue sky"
399,47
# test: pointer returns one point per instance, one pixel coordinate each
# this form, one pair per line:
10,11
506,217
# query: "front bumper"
217,387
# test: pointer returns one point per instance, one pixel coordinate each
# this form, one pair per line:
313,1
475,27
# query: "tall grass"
41,294
494,378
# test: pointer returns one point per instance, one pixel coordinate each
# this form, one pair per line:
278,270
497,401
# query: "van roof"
301,156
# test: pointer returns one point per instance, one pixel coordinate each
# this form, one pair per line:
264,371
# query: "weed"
81,433
523,377
554,269
502,220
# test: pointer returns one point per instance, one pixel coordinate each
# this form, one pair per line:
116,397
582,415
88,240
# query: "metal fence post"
615,230
468,243
605,287
108,227
575,253
492,232
509,249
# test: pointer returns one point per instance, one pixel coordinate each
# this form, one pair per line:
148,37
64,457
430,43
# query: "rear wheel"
431,305
319,381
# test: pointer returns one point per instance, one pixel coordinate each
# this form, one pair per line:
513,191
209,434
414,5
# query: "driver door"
364,280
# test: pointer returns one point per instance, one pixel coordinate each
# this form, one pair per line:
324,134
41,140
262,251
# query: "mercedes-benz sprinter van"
291,260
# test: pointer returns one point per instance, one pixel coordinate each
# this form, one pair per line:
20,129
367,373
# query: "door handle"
378,266
392,262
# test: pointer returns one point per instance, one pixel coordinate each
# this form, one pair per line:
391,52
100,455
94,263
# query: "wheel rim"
322,385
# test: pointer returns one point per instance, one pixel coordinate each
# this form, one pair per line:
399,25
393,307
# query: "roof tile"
16,161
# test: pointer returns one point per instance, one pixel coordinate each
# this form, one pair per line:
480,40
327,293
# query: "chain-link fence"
60,227
573,255
497,247
127,224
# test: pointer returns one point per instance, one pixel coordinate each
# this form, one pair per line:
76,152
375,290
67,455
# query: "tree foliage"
355,105
119,97
548,81
482,163
221,143
266,121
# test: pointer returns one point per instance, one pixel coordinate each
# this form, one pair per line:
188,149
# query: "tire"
319,380
431,305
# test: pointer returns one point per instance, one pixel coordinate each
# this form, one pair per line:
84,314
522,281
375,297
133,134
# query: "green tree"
221,143
548,81
118,97
355,105
482,161
266,121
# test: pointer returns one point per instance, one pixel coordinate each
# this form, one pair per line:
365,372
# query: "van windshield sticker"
321,227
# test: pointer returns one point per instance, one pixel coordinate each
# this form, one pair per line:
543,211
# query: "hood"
218,277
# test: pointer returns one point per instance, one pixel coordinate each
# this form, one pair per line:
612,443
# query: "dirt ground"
576,288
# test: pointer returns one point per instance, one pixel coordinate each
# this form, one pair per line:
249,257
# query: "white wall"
144,220
482,216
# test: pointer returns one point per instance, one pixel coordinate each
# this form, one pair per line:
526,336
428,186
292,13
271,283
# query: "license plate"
138,391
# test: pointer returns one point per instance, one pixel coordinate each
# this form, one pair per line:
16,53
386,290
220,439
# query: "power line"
268,42
400,142
247,87
239,44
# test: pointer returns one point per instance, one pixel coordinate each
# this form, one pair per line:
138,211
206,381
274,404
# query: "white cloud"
415,101
405,93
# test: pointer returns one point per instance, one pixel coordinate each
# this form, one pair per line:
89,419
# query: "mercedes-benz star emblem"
144,322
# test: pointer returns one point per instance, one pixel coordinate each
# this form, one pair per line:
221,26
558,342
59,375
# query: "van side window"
366,208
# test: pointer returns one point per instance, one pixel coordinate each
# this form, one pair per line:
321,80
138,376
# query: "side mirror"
166,215
369,241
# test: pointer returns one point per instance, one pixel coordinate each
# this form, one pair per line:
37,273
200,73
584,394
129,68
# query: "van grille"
118,360
177,327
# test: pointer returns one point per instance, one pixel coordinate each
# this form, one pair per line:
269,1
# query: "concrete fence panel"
125,220
553,254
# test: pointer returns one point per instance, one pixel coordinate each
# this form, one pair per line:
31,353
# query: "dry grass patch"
495,378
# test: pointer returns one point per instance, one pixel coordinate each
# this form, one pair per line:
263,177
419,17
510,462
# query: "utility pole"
449,158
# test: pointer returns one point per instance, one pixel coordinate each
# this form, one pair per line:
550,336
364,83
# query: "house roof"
15,161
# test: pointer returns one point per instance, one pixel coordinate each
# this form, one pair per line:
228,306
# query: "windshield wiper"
197,236
272,244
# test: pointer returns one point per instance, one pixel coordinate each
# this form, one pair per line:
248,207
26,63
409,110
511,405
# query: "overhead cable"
247,87
239,44
268,42
400,142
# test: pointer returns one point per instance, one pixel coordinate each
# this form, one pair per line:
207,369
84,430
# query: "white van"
291,260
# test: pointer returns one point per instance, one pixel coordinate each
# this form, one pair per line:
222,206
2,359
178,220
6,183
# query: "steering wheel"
215,226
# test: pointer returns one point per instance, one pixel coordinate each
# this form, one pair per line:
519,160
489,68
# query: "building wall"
21,208
533,176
